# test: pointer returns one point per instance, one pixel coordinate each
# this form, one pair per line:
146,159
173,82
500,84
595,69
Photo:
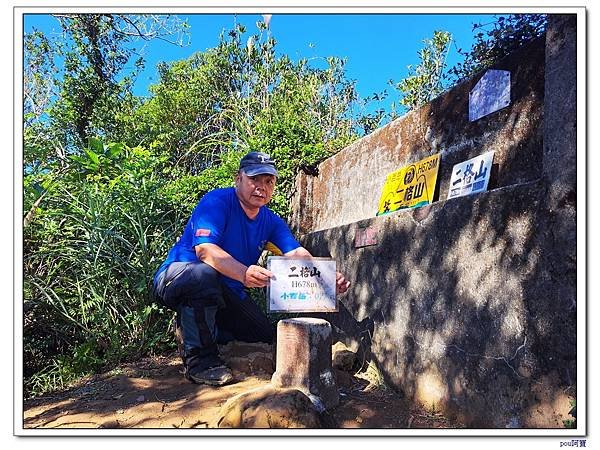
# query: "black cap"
256,163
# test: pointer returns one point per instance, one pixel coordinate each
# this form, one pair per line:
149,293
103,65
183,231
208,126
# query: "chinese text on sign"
302,284
410,187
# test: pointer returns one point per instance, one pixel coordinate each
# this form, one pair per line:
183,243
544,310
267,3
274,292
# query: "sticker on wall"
410,187
365,237
472,176
302,284
491,93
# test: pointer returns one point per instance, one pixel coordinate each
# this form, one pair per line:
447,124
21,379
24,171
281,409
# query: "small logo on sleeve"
202,232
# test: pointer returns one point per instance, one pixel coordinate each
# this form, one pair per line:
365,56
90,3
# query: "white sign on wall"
472,176
302,284
491,93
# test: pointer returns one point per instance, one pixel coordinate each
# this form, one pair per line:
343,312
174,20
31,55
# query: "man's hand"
341,284
257,276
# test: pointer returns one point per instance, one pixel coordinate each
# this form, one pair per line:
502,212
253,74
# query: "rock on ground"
342,357
269,407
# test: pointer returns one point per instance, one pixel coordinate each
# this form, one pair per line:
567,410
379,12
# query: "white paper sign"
302,284
472,176
490,94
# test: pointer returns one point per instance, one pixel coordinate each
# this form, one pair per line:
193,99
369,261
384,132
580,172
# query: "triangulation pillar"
303,360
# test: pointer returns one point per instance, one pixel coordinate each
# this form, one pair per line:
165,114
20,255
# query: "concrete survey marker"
491,93
303,360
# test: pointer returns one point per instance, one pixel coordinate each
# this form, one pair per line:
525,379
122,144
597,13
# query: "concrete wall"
349,184
467,305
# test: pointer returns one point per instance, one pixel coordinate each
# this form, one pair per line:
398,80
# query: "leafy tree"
92,89
425,81
39,72
77,86
234,96
40,87
306,122
496,39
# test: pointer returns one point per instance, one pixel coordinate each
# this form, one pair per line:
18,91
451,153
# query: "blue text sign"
472,176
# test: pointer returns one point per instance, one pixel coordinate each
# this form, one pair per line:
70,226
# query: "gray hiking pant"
208,311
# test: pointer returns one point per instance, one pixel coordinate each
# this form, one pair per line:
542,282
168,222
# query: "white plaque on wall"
302,284
472,176
491,93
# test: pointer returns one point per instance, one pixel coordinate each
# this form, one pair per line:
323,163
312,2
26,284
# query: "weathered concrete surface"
304,359
467,305
449,296
558,271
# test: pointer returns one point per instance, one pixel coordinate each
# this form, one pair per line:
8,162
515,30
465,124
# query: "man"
204,275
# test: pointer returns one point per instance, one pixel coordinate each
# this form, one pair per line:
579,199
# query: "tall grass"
90,253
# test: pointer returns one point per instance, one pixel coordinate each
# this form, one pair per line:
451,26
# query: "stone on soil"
269,407
342,357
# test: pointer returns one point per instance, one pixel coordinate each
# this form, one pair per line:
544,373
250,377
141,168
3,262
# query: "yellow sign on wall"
411,186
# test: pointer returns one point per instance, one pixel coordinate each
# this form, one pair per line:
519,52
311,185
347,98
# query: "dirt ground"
152,393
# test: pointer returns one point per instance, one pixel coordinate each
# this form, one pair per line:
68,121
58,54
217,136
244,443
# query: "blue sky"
378,47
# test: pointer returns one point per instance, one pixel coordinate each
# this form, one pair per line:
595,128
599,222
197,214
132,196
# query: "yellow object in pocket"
269,246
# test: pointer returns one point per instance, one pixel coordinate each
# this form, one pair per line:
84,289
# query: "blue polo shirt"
219,219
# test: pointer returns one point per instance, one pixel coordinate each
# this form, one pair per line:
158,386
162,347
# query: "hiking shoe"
214,376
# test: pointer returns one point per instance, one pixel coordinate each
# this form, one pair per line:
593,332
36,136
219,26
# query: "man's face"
254,191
